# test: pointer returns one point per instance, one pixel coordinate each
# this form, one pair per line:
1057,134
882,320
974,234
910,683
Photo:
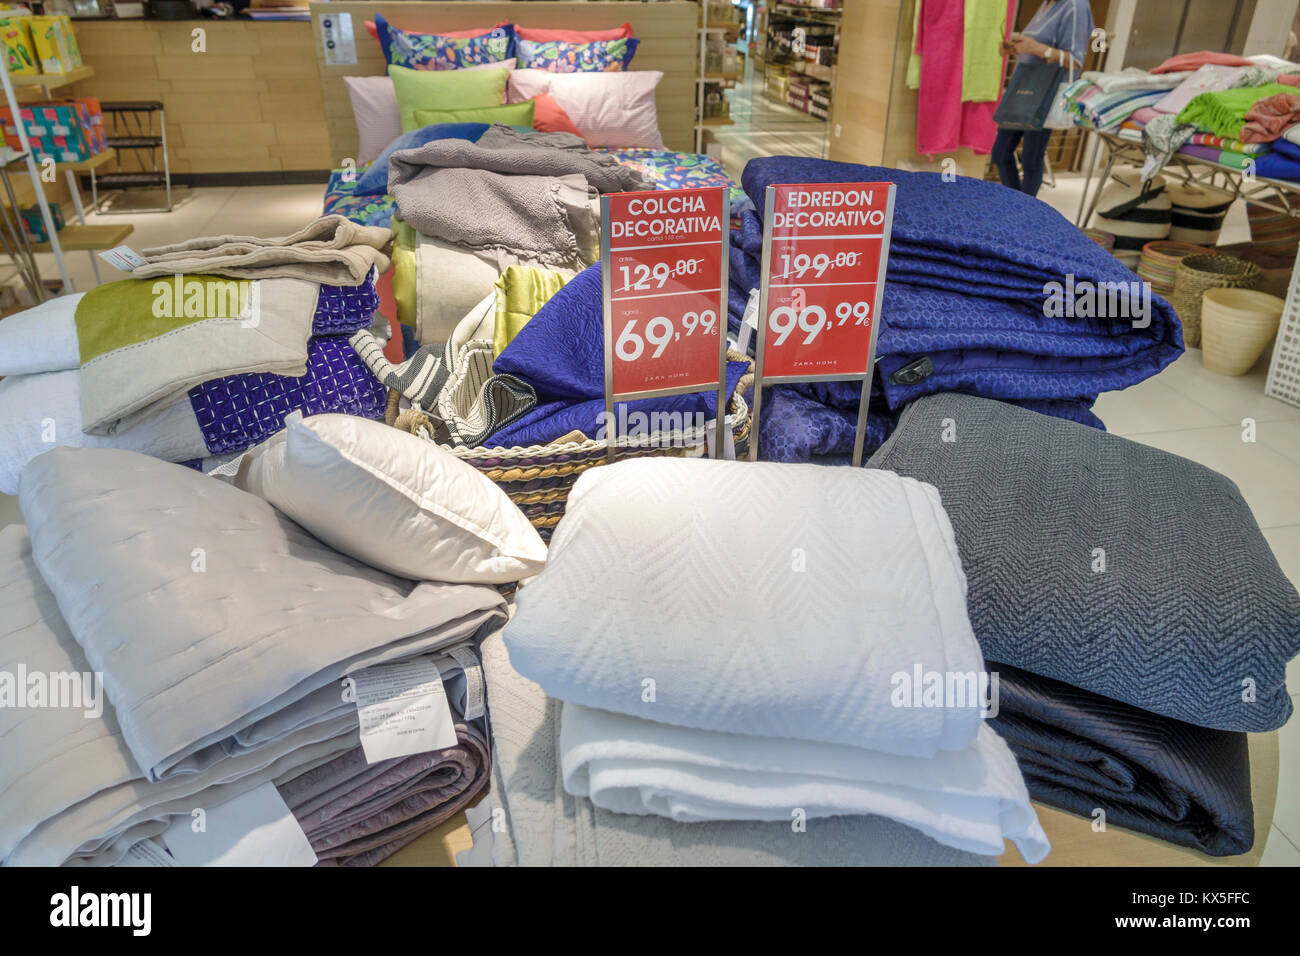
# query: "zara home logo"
75,909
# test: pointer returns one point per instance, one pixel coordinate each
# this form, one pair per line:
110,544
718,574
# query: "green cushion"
512,114
445,90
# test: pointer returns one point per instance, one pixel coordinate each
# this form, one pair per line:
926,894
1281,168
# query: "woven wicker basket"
1236,327
1104,239
1198,273
1159,263
538,478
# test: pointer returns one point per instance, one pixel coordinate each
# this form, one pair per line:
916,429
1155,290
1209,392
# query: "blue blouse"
1063,25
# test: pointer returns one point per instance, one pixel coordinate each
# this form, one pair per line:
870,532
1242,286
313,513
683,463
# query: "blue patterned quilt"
968,264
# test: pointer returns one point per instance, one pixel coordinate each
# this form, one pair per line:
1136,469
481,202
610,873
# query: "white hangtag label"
150,852
253,829
123,258
403,710
474,697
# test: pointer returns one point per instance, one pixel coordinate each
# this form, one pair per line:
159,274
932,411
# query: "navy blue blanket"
560,352
968,264
1082,752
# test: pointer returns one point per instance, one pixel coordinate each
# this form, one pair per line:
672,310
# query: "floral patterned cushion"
604,56
432,51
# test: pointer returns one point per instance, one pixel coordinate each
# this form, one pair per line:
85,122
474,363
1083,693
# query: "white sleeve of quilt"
970,800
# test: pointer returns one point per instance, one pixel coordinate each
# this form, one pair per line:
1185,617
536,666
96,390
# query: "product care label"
664,281
823,270
254,829
403,709
123,258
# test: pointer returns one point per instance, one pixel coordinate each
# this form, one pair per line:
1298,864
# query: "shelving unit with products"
800,50
719,66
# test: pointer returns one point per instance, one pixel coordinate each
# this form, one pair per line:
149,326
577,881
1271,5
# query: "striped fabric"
1197,213
1133,217
465,400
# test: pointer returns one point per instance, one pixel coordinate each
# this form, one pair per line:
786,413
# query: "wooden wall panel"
666,30
250,102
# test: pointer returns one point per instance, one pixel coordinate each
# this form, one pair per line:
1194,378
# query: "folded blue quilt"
966,288
1282,162
1083,752
560,353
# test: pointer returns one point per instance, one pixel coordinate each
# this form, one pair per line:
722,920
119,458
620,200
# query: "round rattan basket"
1236,327
1199,273
1159,263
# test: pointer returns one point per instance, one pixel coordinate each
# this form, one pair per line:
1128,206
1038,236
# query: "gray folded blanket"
332,250
545,826
1106,564
359,814
527,194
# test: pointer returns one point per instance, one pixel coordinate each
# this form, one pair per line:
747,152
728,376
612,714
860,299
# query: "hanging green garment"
981,64
521,292
914,61
1224,113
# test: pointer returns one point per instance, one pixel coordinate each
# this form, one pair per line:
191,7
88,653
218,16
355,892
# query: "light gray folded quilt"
220,629
524,194
214,612
545,826
331,250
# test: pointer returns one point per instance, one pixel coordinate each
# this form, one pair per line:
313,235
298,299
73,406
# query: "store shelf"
717,121
51,80
719,78
796,12
88,238
80,166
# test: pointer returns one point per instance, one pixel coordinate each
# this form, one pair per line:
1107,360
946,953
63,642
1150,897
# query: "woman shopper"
1058,33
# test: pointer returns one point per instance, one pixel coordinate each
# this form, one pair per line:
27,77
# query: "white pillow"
379,118
394,501
609,109
42,338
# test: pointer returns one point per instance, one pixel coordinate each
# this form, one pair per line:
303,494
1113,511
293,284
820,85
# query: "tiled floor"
1184,409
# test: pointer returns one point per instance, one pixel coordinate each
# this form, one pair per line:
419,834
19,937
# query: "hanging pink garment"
943,122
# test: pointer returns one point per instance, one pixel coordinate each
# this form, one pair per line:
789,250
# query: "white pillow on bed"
374,107
394,501
609,109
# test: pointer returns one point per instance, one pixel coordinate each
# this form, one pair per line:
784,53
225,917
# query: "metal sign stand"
864,377
607,300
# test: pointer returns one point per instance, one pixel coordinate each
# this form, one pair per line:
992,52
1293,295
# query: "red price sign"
664,273
823,270
825,246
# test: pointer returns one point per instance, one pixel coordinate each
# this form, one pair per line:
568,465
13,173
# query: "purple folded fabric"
358,814
238,411
342,310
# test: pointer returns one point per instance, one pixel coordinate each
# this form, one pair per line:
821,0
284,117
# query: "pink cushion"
375,109
549,116
572,36
609,109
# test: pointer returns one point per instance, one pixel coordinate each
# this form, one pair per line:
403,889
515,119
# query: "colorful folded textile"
1208,79
1100,110
1227,157
1194,61
1132,78
1233,145
1224,113
1283,162
1271,117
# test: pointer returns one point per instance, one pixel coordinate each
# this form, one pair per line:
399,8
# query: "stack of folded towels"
1137,618
704,675
234,650
202,353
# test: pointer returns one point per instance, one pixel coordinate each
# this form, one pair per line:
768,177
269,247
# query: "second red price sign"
825,247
